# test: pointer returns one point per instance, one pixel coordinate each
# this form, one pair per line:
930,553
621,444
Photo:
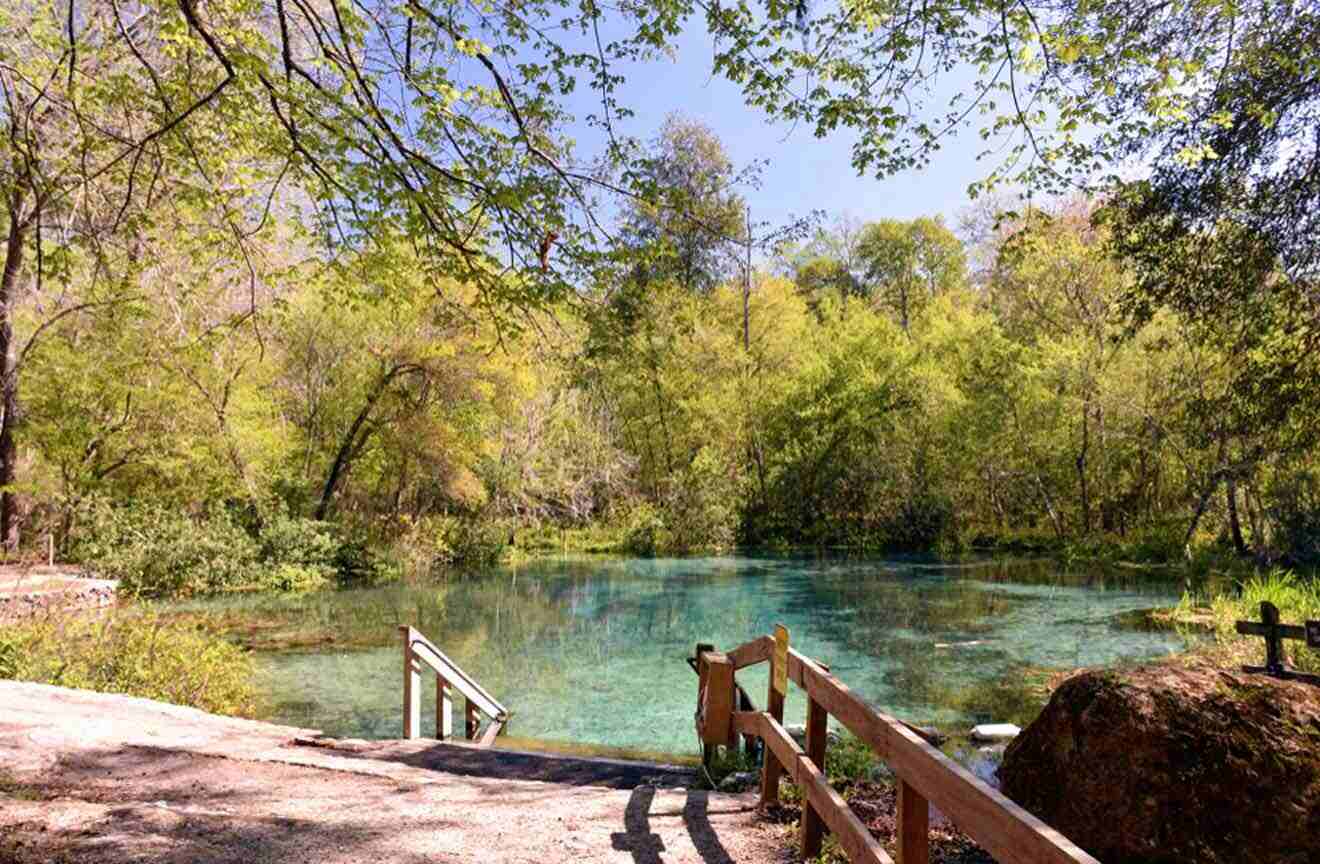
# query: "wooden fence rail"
418,650
925,775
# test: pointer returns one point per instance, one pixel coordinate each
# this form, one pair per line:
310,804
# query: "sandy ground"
32,590
88,777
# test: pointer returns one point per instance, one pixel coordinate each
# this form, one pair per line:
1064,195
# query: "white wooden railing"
418,650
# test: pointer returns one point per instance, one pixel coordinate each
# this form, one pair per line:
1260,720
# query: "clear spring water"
591,650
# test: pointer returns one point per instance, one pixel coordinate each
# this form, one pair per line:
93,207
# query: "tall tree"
907,264
690,211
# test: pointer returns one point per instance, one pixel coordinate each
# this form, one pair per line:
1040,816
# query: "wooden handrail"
850,831
417,647
757,651
442,665
1001,827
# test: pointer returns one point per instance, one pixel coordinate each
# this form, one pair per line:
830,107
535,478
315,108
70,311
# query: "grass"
1297,598
132,651
851,768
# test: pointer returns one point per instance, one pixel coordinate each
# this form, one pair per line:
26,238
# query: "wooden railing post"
444,709
412,688
750,741
813,828
715,710
928,778
471,719
770,767
913,826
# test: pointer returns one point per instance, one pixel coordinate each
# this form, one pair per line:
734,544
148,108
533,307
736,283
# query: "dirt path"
88,777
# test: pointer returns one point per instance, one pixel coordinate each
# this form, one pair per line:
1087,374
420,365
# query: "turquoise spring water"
591,650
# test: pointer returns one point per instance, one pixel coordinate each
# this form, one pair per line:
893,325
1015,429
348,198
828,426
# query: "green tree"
680,229
907,264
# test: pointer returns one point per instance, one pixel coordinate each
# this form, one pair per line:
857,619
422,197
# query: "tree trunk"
1050,508
9,377
1080,462
1258,539
1211,485
747,288
1235,526
1201,505
350,445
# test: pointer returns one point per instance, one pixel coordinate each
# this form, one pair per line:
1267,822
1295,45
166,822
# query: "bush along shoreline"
157,552
160,553
135,651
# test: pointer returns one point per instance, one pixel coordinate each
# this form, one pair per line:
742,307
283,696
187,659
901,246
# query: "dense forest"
330,296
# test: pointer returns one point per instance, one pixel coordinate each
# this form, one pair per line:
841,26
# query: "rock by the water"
995,732
799,733
929,733
739,780
1165,763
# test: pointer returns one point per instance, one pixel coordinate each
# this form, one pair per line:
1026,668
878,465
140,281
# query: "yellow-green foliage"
134,652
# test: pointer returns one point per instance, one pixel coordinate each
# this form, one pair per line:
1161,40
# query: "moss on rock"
1168,763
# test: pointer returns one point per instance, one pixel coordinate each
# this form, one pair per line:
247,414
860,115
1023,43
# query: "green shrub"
473,542
293,578
436,542
699,512
159,552
308,544
1158,543
644,531
134,652
701,506
922,522
1295,515
9,651
357,561
849,760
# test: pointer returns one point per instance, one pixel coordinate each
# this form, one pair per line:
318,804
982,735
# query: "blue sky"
804,173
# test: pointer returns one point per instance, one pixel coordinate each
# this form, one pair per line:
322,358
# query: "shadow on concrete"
646,846
139,804
498,764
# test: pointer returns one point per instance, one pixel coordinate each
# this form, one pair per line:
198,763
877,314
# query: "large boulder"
1170,763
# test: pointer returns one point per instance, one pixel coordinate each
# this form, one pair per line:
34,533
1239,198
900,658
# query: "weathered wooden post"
1274,632
716,692
1269,616
913,829
412,688
444,709
813,828
717,700
770,768
471,719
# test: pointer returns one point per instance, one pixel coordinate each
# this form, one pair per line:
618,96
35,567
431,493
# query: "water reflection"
591,650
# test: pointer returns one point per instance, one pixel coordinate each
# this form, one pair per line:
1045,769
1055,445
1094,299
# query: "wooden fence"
418,650
925,775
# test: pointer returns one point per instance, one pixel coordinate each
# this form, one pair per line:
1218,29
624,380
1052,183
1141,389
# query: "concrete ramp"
89,777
